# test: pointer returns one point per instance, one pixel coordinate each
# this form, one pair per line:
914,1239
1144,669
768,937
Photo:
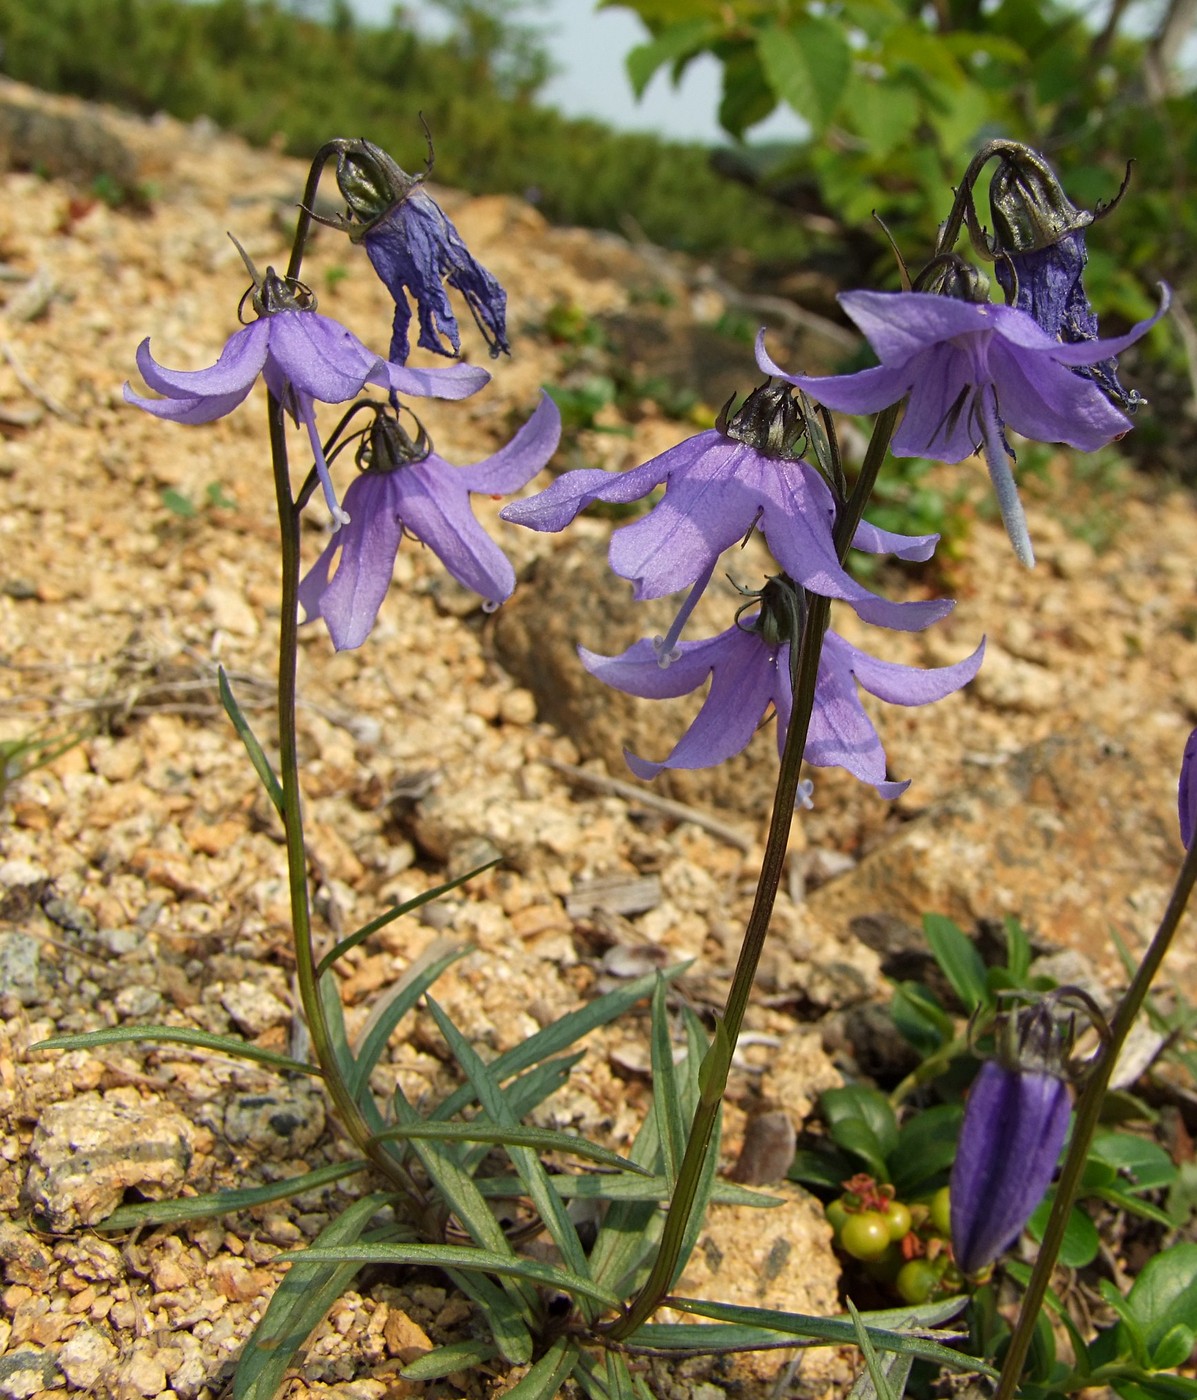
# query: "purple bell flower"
749,673
405,487
970,369
718,487
415,248
1015,1122
304,358
1187,797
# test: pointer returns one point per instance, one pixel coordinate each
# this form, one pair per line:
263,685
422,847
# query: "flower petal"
900,324
553,508
234,372
1043,401
841,734
448,382
906,685
320,357
518,462
368,545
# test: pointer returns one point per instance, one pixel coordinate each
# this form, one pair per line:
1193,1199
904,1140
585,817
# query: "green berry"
865,1235
897,1218
917,1280
837,1213
941,1216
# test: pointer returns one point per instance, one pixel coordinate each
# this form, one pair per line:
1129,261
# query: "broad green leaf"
926,1147
390,915
457,1356
1143,1164
861,1120
826,1167
884,112
677,43
545,1379
1081,1241
747,97
1165,1293
223,1202
459,1256
1128,1337
300,1301
834,1331
257,755
544,1139
536,1181
807,65
1157,1387
959,960
176,1035
390,1011
1175,1347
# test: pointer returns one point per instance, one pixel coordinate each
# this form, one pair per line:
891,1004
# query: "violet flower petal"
1014,1127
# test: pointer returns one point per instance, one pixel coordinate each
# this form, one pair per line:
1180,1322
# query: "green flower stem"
1088,1111
660,1279
347,1107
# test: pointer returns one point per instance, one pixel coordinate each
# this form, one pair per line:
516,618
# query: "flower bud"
370,183
769,420
1015,1122
1187,798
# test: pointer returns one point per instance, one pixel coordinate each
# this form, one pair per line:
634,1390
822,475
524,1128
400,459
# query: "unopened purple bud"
1014,1126
1188,791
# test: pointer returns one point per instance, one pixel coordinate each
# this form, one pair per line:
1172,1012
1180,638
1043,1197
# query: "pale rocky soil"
142,876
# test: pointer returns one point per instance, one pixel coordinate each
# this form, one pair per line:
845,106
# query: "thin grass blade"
875,1383
177,1035
257,755
621,1186
549,1374
500,1312
667,1106
224,1202
541,1139
457,1356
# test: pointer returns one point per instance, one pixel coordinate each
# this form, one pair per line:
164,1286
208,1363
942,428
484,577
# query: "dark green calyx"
274,293
387,445
769,420
782,614
370,183
1043,1038
950,276
1029,207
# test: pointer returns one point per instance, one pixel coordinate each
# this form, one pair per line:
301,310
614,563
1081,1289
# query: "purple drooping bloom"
1015,1122
971,370
304,358
415,248
750,673
718,488
406,487
1187,796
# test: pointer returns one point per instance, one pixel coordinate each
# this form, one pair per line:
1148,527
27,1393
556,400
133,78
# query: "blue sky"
589,47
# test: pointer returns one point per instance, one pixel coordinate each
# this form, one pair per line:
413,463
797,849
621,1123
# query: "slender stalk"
660,1279
351,1115
1088,1111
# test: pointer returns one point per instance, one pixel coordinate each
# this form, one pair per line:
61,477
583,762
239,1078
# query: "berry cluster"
904,1248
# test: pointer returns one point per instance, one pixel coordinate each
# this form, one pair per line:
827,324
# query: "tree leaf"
677,43
806,65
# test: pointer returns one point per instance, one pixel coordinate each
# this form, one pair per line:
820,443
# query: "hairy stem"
660,1279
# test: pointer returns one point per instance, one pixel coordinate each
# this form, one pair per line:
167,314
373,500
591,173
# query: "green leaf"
631,1228
1157,1387
390,1011
457,1356
861,1120
1174,1348
501,1311
545,1139
920,1018
1132,1205
334,1018
257,755
300,1301
747,97
1081,1241
224,1202
676,44
959,960
834,1331
878,1373
1144,1162
666,1103
1018,950
807,65
1021,1273
390,915
549,1374
1165,1293
825,1167
1128,1336
536,1181
926,1147
459,1256
716,1063
176,1035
